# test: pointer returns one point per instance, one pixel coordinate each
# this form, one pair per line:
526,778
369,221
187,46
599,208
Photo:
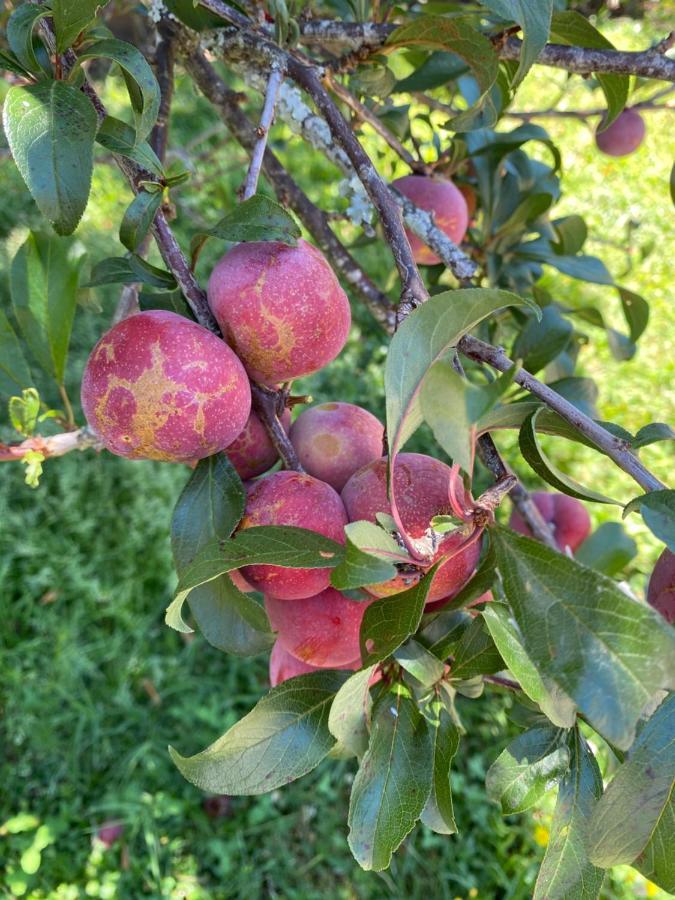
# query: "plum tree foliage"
381,584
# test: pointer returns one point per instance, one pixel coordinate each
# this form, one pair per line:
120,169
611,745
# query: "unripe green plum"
281,308
422,489
623,136
568,517
292,498
333,440
158,386
253,453
322,630
284,666
661,590
442,198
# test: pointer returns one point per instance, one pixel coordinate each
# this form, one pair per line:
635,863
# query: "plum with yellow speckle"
252,452
442,198
333,440
321,631
158,386
292,498
280,308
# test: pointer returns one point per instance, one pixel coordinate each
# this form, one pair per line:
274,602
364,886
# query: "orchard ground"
94,686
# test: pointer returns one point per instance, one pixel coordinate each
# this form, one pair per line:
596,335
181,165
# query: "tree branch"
611,446
262,131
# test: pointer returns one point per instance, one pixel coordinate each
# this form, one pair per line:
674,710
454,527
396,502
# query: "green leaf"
70,18
370,554
10,63
606,651
439,33
582,392
631,809
419,662
476,653
44,276
20,35
350,713
435,71
566,871
140,80
530,209
636,311
552,701
441,634
388,622
534,19
535,456
127,270
575,29
438,814
608,549
656,861
541,341
138,218
230,620
423,339
658,512
650,434
14,371
451,406
50,128
278,545
530,765
285,736
24,411
210,507
256,219
572,232
118,137
393,782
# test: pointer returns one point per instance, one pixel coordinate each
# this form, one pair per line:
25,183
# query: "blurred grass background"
93,686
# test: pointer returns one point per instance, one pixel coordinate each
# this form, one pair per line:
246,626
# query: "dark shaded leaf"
393,782
541,341
606,651
14,372
535,20
438,814
350,712
20,35
608,549
658,511
256,219
636,311
285,736
419,662
476,653
138,218
118,137
230,620
70,18
650,434
529,766
127,270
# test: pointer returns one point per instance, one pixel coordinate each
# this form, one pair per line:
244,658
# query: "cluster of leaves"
590,661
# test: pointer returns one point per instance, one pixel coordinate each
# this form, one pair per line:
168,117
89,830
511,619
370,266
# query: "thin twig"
366,115
53,445
611,446
262,131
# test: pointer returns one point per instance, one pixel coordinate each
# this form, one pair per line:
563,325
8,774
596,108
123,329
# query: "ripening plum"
333,440
109,833
158,386
284,666
322,630
568,516
422,486
469,193
293,498
661,590
442,198
253,453
623,136
281,308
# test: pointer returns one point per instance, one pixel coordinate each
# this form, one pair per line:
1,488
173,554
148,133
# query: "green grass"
93,686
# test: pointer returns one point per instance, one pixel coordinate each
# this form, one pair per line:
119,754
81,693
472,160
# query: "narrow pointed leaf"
438,814
551,699
609,653
256,219
50,127
20,28
138,218
566,871
392,784
530,766
14,372
285,736
118,137
542,465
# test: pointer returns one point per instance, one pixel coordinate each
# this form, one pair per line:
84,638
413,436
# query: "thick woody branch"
273,84
315,220
611,446
650,63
